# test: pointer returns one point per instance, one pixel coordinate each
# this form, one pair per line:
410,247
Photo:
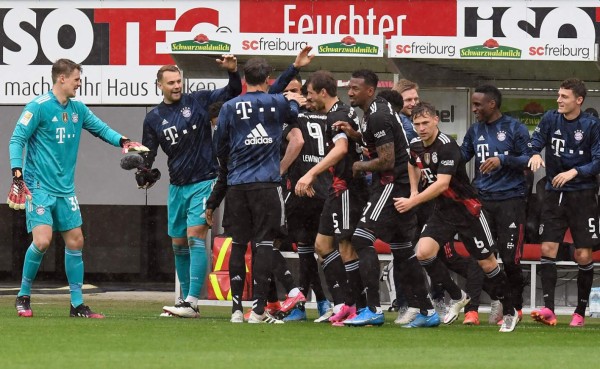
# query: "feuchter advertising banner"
121,44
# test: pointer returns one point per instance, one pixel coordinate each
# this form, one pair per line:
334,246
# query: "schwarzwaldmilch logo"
490,49
200,43
348,45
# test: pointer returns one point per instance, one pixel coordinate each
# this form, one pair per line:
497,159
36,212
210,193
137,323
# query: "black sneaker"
84,311
23,305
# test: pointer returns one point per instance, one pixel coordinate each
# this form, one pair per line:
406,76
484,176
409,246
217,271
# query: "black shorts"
255,214
303,217
475,234
577,210
381,217
506,219
341,214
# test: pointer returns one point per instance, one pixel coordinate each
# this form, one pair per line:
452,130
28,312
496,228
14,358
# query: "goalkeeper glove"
19,193
146,178
129,146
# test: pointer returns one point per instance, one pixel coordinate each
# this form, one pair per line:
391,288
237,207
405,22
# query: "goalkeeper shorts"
62,213
187,206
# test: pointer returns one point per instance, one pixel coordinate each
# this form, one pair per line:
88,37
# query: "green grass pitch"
133,336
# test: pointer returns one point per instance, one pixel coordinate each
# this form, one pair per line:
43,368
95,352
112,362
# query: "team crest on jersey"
578,135
427,158
434,157
75,117
501,135
541,230
65,117
186,112
40,210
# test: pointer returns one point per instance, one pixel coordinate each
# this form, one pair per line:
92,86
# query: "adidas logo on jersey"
557,132
481,138
258,136
513,225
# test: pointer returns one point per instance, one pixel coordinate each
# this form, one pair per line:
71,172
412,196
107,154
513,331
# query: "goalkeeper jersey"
50,132
184,133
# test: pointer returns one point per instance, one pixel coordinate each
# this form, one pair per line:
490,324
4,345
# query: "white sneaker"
456,307
325,317
183,310
408,316
264,318
509,322
495,312
166,314
237,317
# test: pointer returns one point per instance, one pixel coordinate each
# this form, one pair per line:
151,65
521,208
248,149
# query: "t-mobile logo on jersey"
482,152
60,134
243,108
558,146
428,175
171,134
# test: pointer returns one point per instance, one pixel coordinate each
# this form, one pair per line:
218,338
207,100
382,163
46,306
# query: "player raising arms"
181,126
50,129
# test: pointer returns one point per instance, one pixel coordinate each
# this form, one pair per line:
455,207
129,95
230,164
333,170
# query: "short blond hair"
405,85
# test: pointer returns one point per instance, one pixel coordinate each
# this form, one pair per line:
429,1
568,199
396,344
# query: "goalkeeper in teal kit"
50,130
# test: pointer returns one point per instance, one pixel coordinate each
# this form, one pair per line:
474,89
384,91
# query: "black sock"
585,279
474,276
439,275
363,241
272,296
401,285
335,276
413,275
499,285
309,272
263,265
355,283
237,274
549,277
282,272
514,273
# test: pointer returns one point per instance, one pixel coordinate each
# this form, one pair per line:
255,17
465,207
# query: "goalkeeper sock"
74,270
197,266
182,266
33,258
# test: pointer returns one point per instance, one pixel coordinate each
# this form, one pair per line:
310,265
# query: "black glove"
146,178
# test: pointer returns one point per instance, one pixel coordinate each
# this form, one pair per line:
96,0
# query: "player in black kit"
437,161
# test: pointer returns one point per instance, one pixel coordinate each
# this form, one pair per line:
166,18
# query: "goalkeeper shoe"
424,321
23,305
165,314
183,310
455,308
237,317
364,318
292,302
265,318
84,311
295,315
